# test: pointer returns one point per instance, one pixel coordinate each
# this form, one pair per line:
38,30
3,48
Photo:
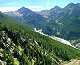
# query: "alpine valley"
48,37
60,22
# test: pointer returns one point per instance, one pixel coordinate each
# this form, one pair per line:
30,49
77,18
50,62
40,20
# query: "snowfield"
54,37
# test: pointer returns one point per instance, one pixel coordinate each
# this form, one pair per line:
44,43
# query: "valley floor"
73,62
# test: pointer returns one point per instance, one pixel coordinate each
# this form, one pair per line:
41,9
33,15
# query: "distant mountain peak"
23,10
70,5
56,8
23,7
73,4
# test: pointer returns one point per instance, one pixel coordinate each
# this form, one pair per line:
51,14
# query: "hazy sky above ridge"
35,5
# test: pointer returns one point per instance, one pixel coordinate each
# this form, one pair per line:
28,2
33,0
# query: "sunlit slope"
20,45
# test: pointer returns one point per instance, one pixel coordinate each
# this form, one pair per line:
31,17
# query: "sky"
35,5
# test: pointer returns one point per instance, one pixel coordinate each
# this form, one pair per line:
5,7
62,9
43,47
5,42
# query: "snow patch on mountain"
54,37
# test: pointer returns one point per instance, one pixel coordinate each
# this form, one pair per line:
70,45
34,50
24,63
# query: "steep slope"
20,45
64,22
44,13
28,17
61,22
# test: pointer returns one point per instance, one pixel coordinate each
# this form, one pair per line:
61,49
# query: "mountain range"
60,22
34,38
21,45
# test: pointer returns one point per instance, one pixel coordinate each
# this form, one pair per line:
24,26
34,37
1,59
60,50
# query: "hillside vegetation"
20,45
